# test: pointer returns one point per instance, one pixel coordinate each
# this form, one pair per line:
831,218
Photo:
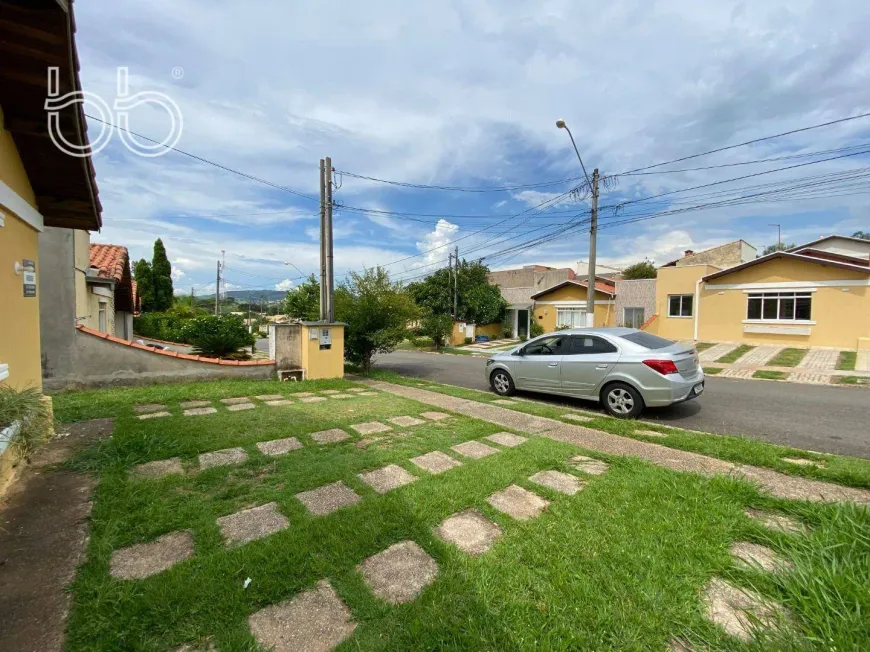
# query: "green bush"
535,329
212,335
218,345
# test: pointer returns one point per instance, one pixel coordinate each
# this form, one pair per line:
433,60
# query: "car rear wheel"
622,401
502,383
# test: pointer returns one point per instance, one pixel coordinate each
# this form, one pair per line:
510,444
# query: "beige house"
517,287
109,302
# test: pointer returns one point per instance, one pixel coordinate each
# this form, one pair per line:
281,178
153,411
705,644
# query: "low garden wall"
102,360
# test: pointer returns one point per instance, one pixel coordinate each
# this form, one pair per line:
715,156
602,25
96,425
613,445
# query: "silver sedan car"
623,368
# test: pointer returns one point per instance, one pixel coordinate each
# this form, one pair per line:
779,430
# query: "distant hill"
252,295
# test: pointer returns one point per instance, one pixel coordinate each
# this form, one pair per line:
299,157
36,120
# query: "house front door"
522,323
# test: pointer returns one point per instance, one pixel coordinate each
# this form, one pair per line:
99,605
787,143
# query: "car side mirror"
520,352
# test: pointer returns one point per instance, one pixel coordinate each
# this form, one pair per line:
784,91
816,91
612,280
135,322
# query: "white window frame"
625,320
103,316
574,313
4,371
778,296
682,299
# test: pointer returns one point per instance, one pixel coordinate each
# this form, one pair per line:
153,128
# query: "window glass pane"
674,305
589,345
802,308
786,308
545,346
648,340
753,310
770,310
687,305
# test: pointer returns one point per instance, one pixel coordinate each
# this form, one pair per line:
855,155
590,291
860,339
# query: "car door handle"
553,364
602,366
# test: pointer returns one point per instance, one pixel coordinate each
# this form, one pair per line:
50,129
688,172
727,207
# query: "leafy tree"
303,301
779,246
864,235
377,312
144,284
479,301
643,269
437,326
161,272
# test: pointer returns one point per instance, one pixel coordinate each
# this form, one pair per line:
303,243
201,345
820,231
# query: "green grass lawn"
847,359
712,371
770,375
736,354
788,358
703,346
617,566
852,471
852,380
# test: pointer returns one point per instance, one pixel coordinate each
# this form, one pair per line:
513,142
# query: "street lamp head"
560,123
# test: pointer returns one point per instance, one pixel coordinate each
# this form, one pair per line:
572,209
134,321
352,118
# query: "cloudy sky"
465,95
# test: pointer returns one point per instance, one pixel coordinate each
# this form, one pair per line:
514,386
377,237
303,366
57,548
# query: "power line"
423,186
207,161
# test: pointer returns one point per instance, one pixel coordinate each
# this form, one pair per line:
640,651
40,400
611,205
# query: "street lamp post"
593,230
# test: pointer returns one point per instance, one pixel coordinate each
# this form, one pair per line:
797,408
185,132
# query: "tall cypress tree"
161,272
144,284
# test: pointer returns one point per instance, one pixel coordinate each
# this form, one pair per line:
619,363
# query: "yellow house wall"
323,364
842,317
545,314
490,330
677,280
82,258
19,325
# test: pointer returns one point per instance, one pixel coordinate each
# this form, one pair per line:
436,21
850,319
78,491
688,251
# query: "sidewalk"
777,484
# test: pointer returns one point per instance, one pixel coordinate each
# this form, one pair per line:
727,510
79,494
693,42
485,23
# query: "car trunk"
685,358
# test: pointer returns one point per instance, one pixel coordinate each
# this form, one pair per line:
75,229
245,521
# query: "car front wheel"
622,401
501,382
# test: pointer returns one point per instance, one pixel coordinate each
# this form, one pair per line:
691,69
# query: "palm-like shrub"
219,344
27,408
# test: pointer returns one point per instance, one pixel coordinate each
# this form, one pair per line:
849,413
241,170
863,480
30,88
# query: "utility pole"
324,309
456,282
191,297
330,279
217,291
778,236
593,232
450,267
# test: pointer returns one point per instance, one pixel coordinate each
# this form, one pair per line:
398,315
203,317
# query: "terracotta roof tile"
111,260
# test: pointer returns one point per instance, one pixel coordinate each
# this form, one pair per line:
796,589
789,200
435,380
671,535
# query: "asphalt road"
813,417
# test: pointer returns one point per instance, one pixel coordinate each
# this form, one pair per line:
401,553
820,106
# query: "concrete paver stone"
406,422
368,393
508,439
810,378
341,396
279,446
435,416
759,356
223,457
371,427
503,401
737,610
251,524
302,394
146,559
820,359
754,556
192,412
652,433
387,478
148,407
315,620
330,391
312,399
328,498
436,462
332,436
399,573
776,522
356,389
589,465
236,400
470,531
278,403
194,404
715,352
802,461
518,503
269,397
564,483
238,407
158,468
474,449
580,418
153,415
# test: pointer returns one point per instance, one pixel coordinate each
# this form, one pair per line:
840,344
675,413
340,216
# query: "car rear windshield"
647,340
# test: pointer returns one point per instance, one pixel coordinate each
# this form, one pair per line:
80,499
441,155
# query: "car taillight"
664,367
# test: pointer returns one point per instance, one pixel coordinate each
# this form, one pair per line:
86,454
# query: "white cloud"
177,274
434,244
284,285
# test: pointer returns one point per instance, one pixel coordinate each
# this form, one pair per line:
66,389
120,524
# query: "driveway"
813,417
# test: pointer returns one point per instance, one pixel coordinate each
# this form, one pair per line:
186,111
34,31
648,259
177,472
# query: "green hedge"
173,328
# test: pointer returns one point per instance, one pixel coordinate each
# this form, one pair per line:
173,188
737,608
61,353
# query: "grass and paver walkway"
405,518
